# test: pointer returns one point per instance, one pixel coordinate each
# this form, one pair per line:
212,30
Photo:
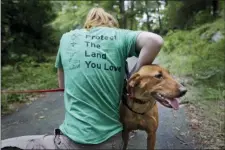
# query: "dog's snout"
182,90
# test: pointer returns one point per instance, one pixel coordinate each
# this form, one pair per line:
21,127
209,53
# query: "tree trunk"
166,2
215,5
132,16
131,23
148,17
160,22
148,22
122,12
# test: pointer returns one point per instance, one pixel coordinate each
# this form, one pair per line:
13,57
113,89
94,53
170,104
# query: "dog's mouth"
167,102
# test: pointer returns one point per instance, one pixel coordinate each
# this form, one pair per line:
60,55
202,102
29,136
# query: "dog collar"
127,96
137,100
125,103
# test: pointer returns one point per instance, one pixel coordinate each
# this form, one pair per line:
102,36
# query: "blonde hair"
98,17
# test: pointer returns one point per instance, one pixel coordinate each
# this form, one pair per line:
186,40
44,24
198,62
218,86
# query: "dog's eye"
159,76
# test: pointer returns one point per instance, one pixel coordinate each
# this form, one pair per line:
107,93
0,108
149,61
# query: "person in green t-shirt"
91,68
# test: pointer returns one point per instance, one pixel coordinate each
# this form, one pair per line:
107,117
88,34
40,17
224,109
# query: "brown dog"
139,110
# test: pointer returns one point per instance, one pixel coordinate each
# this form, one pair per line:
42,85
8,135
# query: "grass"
27,75
193,54
195,57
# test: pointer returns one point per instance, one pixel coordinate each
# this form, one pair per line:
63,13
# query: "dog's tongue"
174,103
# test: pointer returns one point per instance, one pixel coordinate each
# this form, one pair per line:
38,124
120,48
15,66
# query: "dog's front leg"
125,136
151,140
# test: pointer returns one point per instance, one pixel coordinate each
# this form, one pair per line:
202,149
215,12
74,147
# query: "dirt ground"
207,124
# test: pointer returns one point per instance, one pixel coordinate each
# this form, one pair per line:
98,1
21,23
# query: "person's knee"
10,148
10,144
25,142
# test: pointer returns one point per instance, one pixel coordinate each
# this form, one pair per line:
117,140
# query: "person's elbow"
158,41
150,41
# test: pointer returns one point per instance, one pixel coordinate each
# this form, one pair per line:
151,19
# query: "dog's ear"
134,80
143,83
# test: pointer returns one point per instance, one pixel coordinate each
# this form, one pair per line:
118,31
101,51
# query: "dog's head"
153,82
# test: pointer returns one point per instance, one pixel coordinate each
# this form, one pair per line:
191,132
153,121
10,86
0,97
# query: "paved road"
47,113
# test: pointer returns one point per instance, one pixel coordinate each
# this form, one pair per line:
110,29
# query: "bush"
191,53
25,30
30,75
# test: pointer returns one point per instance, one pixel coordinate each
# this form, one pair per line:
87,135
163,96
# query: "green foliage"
32,29
185,14
74,13
25,29
202,17
171,18
30,75
192,53
176,15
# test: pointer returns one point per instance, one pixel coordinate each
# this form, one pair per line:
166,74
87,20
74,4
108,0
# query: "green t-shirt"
94,65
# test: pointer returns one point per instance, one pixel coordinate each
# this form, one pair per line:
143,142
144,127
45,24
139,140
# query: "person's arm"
149,45
60,78
59,65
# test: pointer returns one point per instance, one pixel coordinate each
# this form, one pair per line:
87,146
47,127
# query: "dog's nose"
183,91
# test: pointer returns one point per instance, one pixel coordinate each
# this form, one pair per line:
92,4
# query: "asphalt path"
47,113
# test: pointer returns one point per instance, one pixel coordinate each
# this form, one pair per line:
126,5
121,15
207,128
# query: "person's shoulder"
106,28
116,30
124,31
65,35
72,32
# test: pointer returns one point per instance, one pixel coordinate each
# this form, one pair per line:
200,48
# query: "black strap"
57,132
124,94
126,70
124,100
139,101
